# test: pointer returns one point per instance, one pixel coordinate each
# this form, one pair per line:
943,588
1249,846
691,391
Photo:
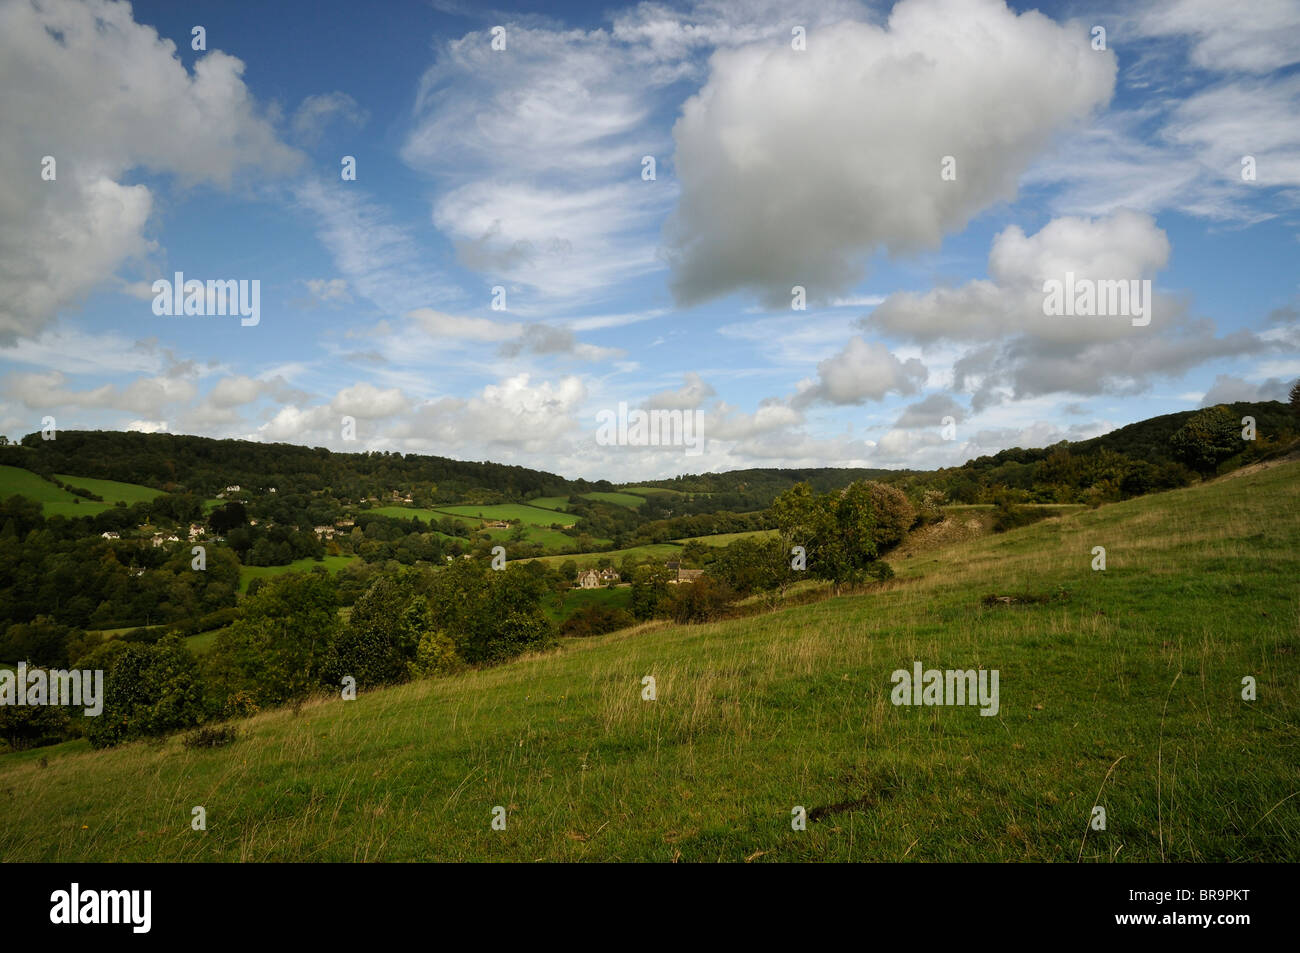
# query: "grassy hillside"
333,563
111,490
54,500
529,515
1119,688
620,499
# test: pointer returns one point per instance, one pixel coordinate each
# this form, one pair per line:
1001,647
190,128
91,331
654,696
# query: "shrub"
434,655
149,690
30,726
596,620
211,736
894,515
703,600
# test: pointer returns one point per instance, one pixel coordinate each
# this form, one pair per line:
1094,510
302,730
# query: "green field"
248,573
615,556
111,490
619,597
201,642
1119,688
529,515
724,539
652,491
54,500
536,529
550,502
621,499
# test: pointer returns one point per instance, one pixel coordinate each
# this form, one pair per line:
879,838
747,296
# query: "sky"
823,232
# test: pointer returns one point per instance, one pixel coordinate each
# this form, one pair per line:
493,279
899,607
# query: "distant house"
686,575
110,535
159,539
345,524
596,578
195,531
233,488
324,532
496,524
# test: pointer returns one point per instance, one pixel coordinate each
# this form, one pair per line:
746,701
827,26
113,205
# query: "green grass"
201,642
111,490
652,491
620,499
724,539
1123,693
620,597
54,500
529,515
550,502
248,573
536,526
615,556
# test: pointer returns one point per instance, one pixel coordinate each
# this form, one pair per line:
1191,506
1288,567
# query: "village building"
596,578
110,535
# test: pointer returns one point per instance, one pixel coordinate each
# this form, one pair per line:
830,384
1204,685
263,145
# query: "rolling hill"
1119,688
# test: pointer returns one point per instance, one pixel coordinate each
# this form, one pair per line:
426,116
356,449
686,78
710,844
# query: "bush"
211,736
31,726
596,620
703,600
894,515
434,655
149,690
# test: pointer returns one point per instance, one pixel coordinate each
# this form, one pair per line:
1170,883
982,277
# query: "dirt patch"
1247,470
1025,598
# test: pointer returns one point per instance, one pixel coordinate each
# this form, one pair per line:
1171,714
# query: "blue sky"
522,169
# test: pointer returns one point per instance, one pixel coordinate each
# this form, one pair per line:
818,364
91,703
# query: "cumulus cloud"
930,412
691,395
1019,352
1228,389
770,197
862,371
104,95
547,339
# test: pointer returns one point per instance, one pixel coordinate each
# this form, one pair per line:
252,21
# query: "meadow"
1119,688
54,500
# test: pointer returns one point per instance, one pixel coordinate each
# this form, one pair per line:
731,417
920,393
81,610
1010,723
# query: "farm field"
54,500
615,556
1120,688
724,539
550,502
111,490
620,597
620,499
248,573
531,515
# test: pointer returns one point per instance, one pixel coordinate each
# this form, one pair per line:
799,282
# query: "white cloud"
770,196
104,95
862,371
317,112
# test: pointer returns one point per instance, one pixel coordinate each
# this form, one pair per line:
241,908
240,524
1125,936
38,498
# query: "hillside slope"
1120,688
